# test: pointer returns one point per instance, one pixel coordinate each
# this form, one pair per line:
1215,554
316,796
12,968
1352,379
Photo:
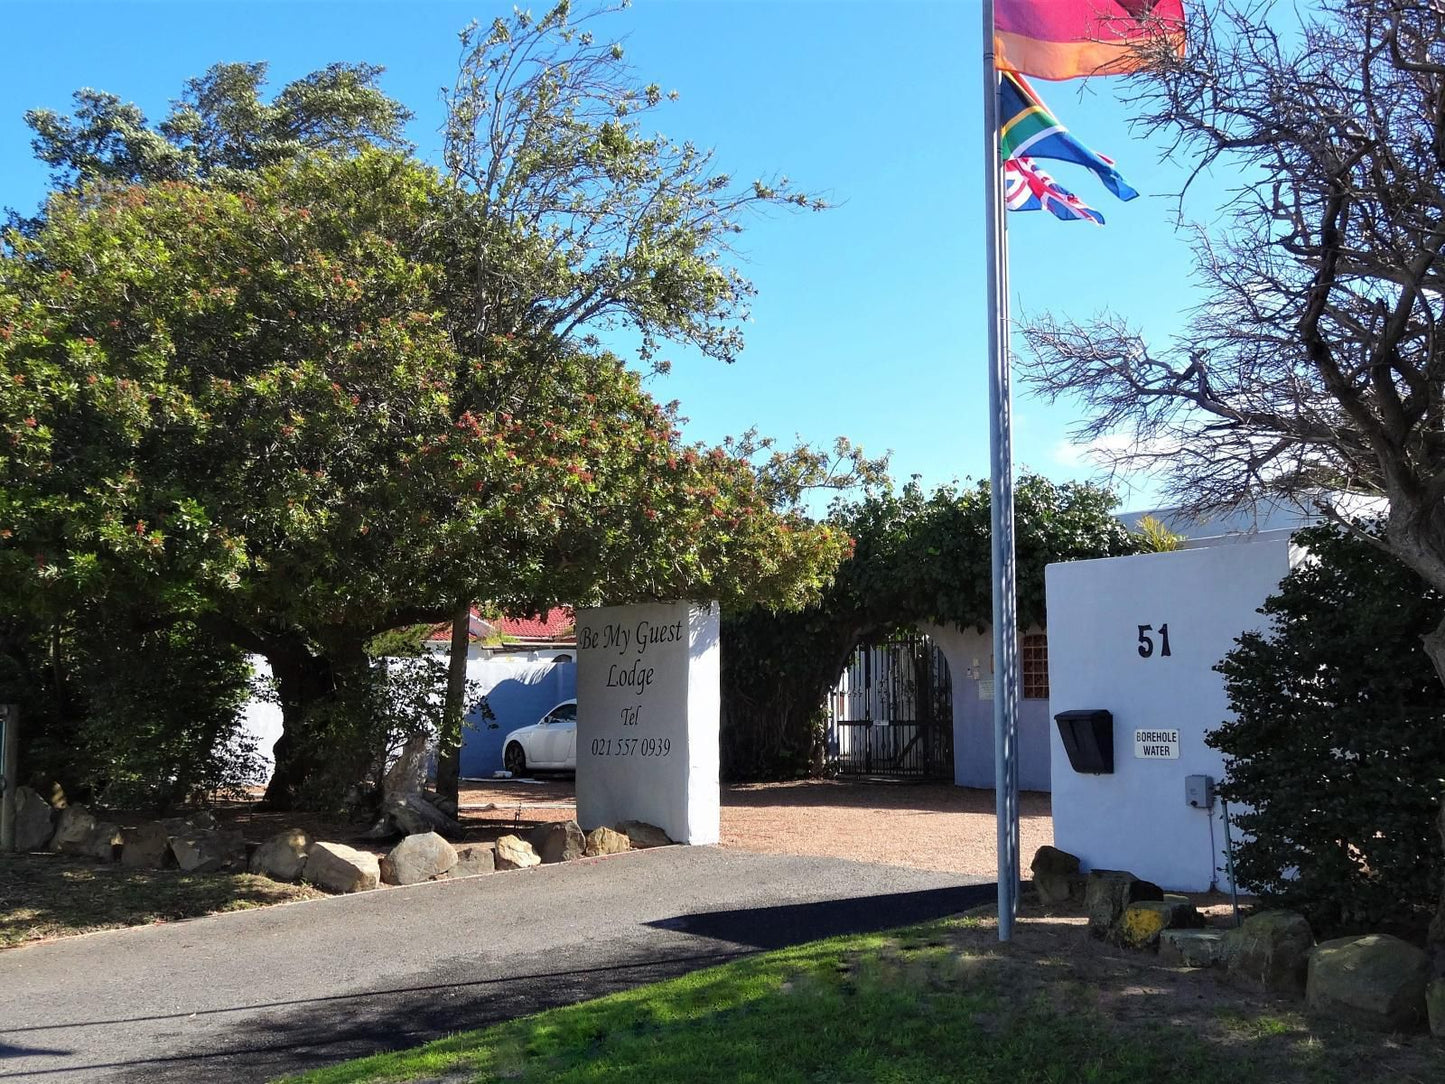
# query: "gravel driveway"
926,826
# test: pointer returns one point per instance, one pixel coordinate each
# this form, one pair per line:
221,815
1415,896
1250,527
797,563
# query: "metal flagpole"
1001,504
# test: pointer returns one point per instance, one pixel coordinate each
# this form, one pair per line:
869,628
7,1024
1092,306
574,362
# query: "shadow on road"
277,1038
791,924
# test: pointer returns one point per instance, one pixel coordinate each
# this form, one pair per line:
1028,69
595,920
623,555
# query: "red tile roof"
556,626
559,624
479,629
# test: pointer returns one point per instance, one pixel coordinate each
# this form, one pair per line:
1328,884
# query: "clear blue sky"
870,317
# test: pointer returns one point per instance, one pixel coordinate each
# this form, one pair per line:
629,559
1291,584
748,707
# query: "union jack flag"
1028,188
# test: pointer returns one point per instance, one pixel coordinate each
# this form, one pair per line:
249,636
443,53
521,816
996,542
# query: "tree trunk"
1435,940
302,679
449,742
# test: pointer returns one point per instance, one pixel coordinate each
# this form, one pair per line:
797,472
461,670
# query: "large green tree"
580,220
220,129
559,220
242,406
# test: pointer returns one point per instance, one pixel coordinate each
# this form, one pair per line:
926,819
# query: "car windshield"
567,713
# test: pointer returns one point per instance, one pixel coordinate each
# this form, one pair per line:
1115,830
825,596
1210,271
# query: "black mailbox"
1088,739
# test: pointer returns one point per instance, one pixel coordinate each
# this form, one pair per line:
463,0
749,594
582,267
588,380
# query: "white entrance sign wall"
1139,637
647,718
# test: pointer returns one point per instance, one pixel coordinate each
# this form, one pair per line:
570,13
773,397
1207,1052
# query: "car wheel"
515,759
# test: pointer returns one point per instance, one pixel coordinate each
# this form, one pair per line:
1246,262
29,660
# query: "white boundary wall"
647,718
970,668
1137,819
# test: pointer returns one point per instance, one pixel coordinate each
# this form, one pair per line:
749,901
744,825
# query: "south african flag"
1028,127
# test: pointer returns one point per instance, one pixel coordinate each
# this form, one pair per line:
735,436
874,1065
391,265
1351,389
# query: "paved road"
255,994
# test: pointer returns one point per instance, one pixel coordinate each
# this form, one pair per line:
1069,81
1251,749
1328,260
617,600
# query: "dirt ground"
933,826
1053,959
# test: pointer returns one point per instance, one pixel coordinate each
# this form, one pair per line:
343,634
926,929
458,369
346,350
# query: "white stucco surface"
261,717
1137,819
647,718
970,666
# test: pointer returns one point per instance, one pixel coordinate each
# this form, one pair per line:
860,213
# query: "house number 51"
1146,642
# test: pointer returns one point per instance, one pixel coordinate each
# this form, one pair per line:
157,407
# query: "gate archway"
891,712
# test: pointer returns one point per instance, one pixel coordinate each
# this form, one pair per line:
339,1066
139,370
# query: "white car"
549,743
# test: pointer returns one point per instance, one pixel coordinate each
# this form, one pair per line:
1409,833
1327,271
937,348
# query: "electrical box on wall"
1088,737
1199,791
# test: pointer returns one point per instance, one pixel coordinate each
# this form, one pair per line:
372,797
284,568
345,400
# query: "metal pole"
9,772
1229,859
1005,615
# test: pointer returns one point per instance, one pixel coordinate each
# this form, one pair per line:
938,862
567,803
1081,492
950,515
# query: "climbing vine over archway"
917,558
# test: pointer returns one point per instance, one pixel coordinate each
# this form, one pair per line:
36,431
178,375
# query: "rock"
1057,879
73,830
1191,948
283,856
233,840
204,850
1109,892
202,820
418,858
405,775
641,834
1376,981
414,815
34,820
1268,951
1435,1007
559,841
606,841
446,805
516,853
1143,922
145,846
473,859
104,840
339,868
195,851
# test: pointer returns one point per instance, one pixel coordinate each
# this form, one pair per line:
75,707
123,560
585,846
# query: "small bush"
129,715
357,733
1338,745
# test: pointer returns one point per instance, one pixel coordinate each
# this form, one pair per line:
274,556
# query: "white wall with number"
647,718
1139,637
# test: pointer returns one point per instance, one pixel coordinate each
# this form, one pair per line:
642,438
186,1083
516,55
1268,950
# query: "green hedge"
1338,745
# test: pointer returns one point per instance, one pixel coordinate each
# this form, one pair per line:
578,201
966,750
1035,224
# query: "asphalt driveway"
256,994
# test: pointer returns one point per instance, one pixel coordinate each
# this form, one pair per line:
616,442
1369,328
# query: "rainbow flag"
1067,39
1028,127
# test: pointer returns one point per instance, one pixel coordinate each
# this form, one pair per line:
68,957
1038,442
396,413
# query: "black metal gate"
891,713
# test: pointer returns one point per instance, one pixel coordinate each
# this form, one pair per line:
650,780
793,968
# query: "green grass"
45,896
903,1008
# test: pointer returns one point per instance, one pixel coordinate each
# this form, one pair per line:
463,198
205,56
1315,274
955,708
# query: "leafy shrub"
1338,745
130,716
358,732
